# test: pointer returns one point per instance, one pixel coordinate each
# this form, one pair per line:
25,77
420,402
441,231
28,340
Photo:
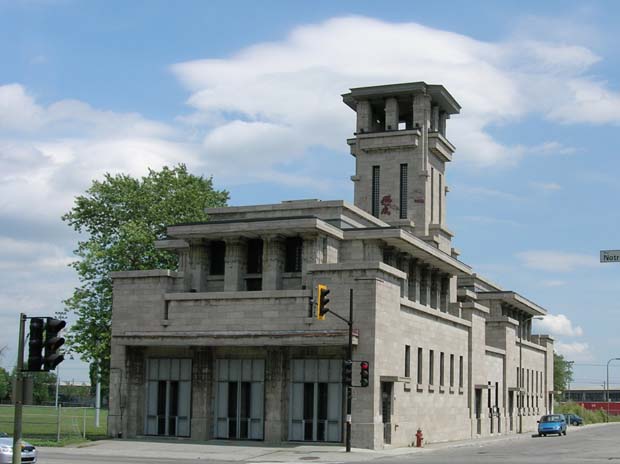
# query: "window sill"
431,388
442,389
419,387
451,391
460,390
289,275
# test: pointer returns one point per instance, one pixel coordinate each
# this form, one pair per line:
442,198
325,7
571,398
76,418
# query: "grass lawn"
40,423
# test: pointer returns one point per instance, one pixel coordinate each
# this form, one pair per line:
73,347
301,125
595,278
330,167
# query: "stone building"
228,345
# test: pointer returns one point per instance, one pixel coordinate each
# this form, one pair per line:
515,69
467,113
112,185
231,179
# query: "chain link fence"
56,423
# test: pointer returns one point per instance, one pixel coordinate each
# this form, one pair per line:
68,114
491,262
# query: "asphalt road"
586,445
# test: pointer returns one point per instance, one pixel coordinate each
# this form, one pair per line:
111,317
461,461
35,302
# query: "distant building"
227,346
595,398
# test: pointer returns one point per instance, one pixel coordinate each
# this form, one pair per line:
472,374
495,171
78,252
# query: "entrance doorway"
239,399
386,411
511,405
316,400
168,397
478,410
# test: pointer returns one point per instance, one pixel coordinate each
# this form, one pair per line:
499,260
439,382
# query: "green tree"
119,219
5,384
5,378
562,372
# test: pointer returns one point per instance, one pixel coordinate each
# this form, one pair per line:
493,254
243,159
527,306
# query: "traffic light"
52,343
364,373
35,345
321,306
347,372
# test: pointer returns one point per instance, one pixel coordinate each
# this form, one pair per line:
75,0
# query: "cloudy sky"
103,86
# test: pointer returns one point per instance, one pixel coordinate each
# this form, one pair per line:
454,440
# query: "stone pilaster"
391,114
235,265
364,116
197,267
273,262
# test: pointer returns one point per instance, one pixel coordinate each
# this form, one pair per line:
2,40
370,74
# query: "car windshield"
554,418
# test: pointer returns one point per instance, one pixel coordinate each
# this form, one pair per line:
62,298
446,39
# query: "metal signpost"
610,256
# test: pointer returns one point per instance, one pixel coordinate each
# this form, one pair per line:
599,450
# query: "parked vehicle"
573,419
29,452
552,423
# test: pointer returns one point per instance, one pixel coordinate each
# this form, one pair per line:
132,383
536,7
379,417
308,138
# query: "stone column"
425,286
273,262
201,403
235,263
134,408
391,114
364,117
414,293
197,268
118,391
276,414
435,289
434,118
443,116
404,266
309,255
444,292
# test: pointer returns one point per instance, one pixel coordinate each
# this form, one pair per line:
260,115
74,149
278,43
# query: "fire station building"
228,346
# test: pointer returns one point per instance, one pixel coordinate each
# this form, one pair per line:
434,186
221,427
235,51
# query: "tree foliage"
562,372
119,219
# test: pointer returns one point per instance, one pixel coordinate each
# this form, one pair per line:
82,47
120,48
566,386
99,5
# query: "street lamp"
569,363
612,359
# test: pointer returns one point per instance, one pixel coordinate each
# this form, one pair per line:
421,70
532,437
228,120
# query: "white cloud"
553,283
558,325
49,154
556,261
290,85
22,256
548,186
577,351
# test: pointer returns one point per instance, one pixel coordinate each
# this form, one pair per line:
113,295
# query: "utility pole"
19,394
607,385
350,387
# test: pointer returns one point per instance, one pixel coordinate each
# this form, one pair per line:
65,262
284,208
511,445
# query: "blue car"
552,423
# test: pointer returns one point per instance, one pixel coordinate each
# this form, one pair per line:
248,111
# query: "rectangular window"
431,367
403,191
375,190
452,370
293,247
217,254
440,199
420,365
461,371
407,361
432,195
255,256
441,369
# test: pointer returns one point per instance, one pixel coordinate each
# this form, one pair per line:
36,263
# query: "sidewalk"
258,452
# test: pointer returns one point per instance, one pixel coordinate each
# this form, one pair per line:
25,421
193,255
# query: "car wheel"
564,432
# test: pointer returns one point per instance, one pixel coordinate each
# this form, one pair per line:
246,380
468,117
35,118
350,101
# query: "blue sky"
103,86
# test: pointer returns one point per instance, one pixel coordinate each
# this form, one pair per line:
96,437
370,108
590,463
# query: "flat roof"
437,92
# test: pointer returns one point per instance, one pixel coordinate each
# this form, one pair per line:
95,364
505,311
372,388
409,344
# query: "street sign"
610,256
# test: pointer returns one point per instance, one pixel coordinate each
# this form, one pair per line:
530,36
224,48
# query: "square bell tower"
401,150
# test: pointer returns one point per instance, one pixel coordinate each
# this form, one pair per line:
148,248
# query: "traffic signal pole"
19,394
349,387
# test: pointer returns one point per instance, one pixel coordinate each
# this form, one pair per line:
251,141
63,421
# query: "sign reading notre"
610,256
